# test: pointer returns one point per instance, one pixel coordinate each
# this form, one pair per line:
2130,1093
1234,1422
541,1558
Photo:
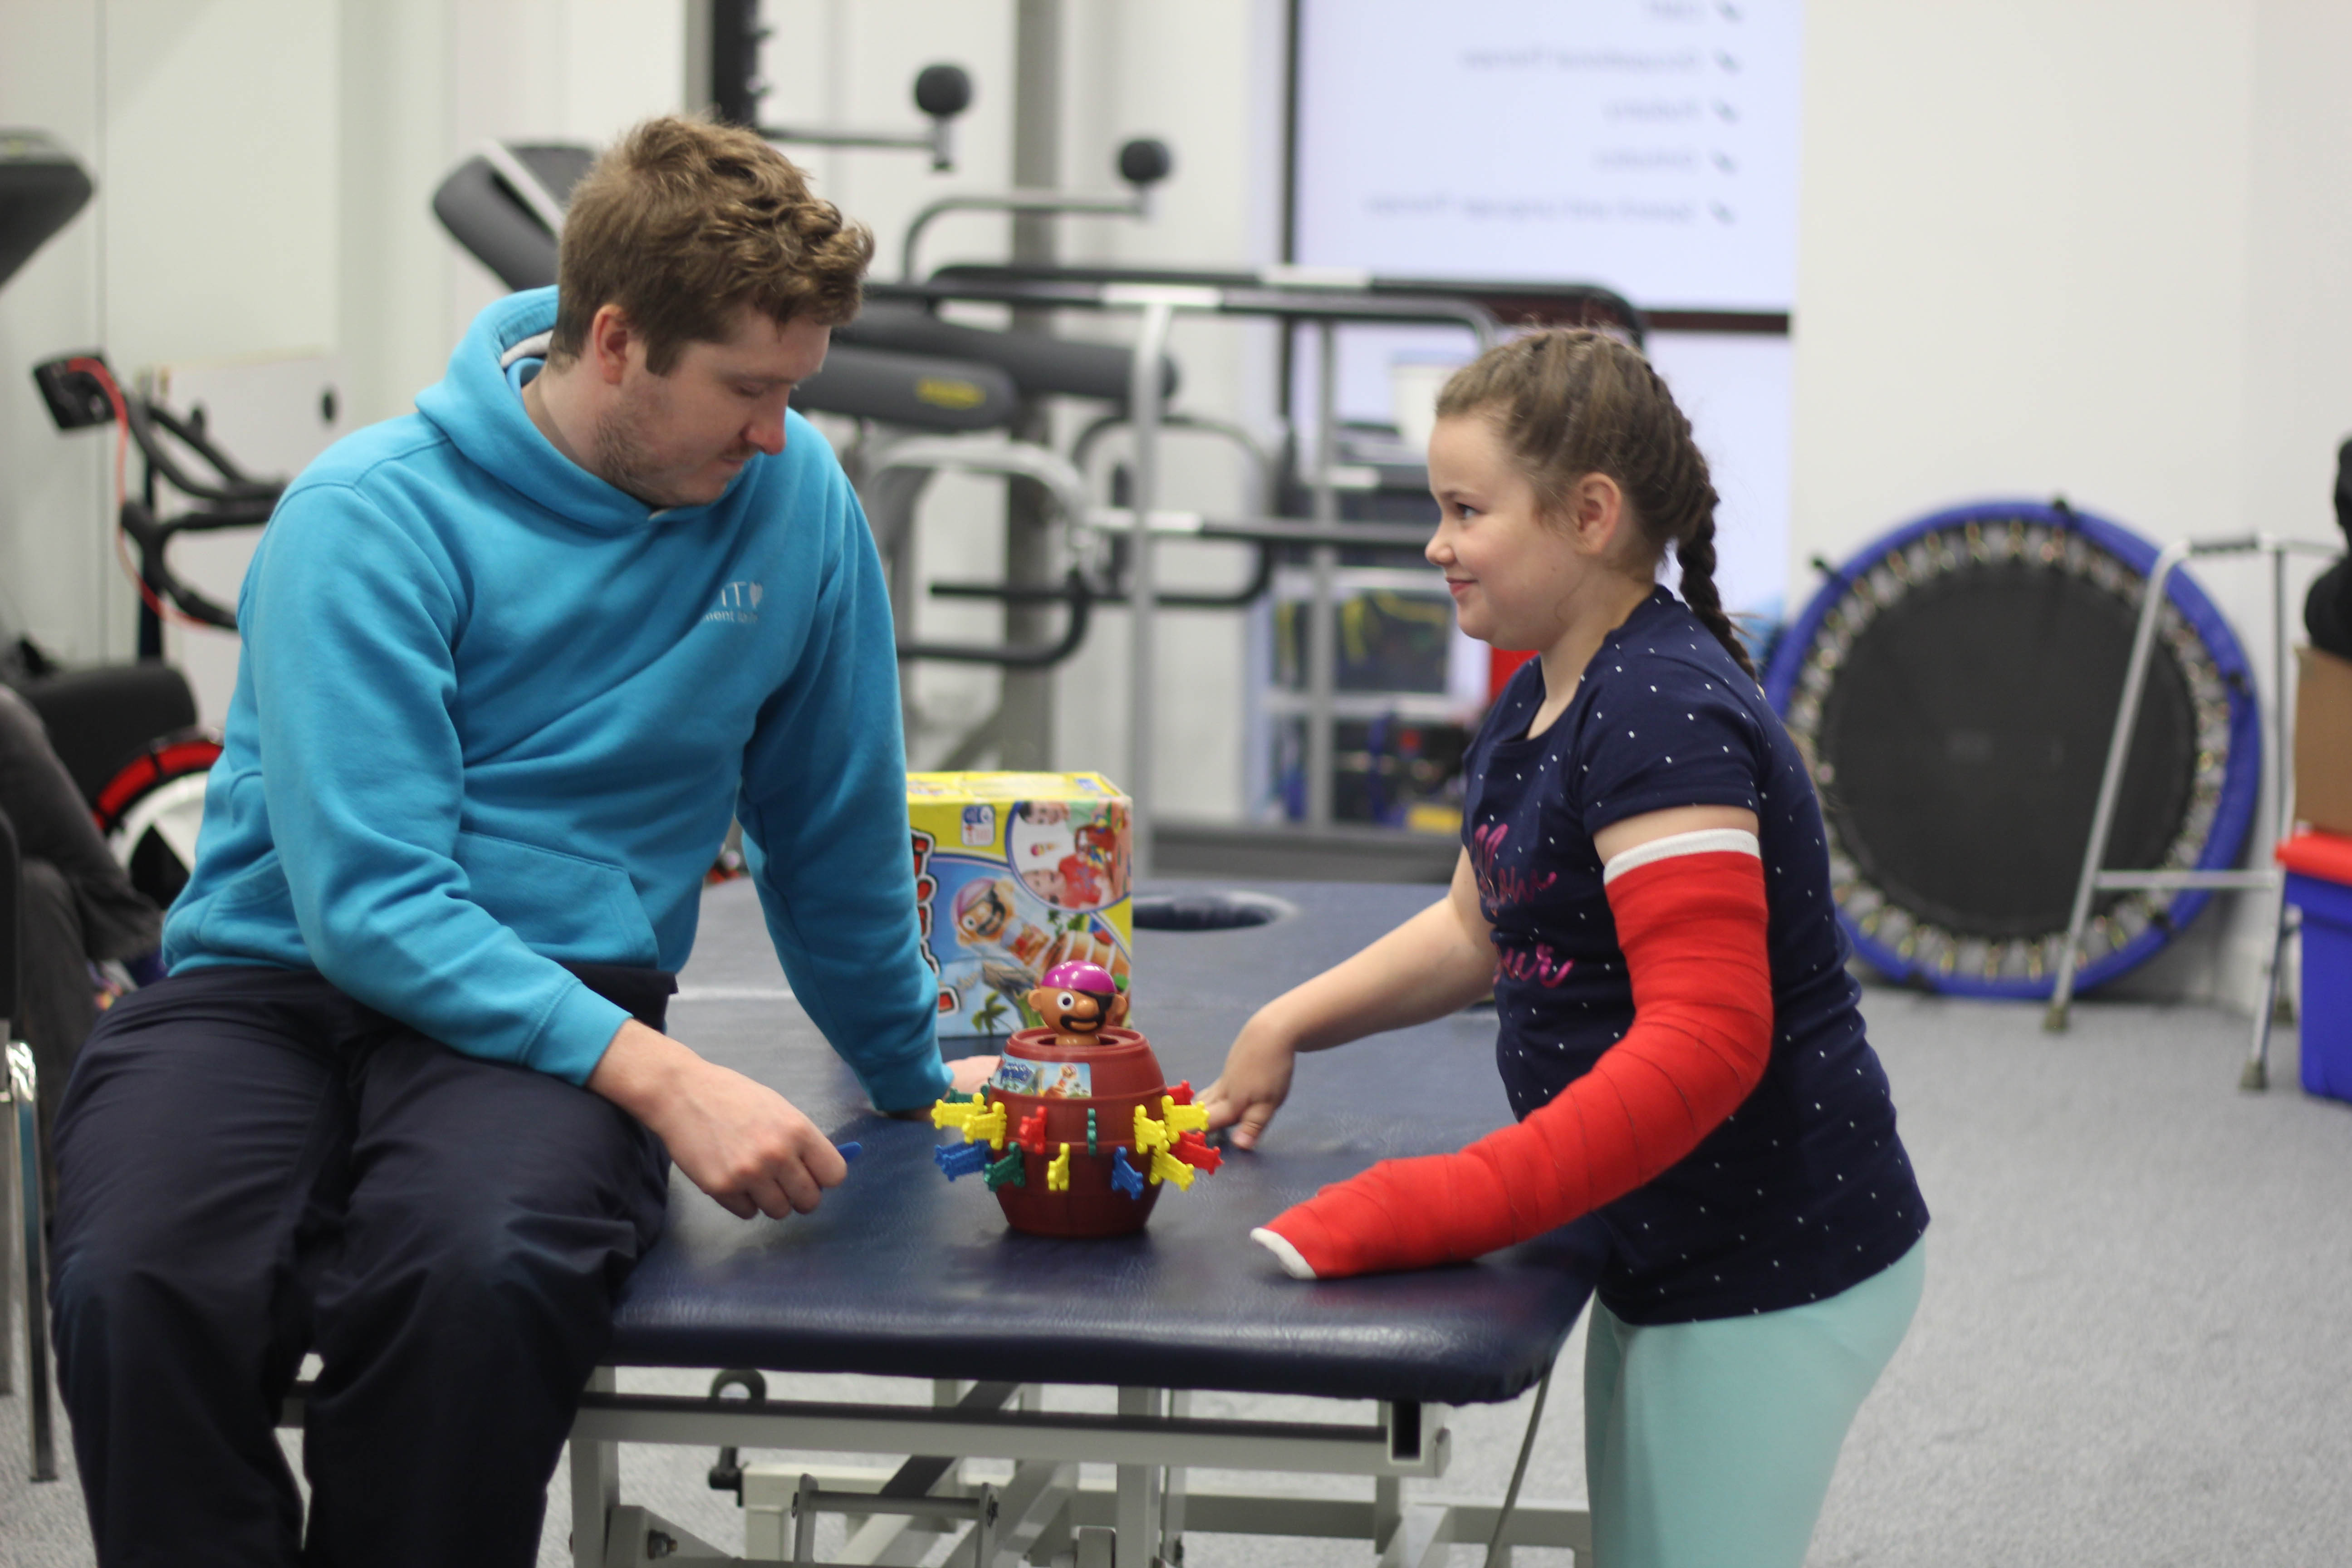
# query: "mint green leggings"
1711,1445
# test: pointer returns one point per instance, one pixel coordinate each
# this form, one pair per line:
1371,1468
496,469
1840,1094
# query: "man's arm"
824,809
349,627
735,1137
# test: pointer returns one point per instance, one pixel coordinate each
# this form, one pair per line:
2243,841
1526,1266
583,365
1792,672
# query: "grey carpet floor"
2136,1345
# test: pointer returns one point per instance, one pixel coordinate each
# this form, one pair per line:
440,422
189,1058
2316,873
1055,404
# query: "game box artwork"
1014,875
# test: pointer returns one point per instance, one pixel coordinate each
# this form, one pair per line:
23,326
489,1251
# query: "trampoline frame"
2267,879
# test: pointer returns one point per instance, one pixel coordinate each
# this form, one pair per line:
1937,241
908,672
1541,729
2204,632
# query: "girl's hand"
1254,1083
967,1074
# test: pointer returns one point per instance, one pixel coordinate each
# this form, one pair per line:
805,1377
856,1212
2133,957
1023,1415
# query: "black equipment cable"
1519,1470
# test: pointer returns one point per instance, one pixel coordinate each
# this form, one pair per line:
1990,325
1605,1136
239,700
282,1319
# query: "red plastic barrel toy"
1068,1154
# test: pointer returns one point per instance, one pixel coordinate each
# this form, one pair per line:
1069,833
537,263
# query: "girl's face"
1511,571
1517,575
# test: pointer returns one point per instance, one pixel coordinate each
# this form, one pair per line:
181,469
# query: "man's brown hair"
682,223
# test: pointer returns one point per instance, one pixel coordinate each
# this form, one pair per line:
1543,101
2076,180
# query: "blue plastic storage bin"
2326,982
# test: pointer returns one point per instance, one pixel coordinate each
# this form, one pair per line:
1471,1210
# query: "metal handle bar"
1281,304
926,455
938,140
1261,466
1134,204
1261,461
942,91
234,484
1398,537
1075,591
154,539
894,485
1507,299
1267,533
1261,580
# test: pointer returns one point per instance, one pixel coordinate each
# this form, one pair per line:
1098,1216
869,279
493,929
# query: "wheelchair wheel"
151,810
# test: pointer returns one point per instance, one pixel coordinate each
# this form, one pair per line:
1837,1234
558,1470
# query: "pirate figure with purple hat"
1077,1001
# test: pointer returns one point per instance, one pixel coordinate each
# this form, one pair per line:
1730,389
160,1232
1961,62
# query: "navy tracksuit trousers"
252,1165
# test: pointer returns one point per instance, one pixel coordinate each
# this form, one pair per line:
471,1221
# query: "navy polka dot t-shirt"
1805,1190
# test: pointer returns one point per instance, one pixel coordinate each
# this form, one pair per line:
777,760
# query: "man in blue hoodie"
510,666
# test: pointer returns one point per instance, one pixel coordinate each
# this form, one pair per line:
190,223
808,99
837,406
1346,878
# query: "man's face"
678,439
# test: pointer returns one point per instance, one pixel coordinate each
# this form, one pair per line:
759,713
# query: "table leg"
1172,1491
1138,1490
1424,1538
595,1484
1035,1505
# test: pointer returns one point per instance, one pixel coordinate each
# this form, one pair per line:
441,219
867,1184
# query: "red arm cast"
1691,917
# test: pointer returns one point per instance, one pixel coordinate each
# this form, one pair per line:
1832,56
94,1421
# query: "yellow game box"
1015,873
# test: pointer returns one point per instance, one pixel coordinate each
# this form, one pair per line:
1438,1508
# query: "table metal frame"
1046,1512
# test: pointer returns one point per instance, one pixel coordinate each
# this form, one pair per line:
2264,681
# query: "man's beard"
623,458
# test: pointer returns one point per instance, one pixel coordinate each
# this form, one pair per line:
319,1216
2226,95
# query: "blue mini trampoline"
1953,686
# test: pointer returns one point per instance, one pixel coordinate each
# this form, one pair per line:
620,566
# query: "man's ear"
611,337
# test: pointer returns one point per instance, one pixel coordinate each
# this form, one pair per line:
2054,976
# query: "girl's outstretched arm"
1686,887
1437,963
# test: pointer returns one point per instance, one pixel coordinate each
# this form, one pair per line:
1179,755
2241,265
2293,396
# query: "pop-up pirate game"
1015,874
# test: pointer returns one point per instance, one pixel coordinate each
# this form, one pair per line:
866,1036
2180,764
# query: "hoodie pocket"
562,905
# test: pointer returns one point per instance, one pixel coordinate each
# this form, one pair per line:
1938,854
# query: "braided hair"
1570,402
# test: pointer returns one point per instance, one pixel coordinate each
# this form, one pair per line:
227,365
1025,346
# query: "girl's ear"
1597,515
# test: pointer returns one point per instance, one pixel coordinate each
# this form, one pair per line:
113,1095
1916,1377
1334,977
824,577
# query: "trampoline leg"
595,1484
2111,781
2256,1076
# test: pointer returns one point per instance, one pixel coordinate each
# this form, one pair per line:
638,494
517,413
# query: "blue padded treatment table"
902,1273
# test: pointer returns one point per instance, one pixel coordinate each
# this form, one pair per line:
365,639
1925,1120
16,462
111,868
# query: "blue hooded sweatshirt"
493,714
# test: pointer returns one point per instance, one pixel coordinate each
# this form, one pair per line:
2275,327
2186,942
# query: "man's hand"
1254,1083
739,1141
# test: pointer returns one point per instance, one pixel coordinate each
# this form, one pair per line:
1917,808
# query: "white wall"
264,171
1206,78
55,578
833,62
212,233
424,84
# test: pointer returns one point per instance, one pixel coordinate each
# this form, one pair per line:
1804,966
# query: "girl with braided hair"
1645,888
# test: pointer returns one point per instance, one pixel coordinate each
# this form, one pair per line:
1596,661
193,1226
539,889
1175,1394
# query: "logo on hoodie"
739,603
